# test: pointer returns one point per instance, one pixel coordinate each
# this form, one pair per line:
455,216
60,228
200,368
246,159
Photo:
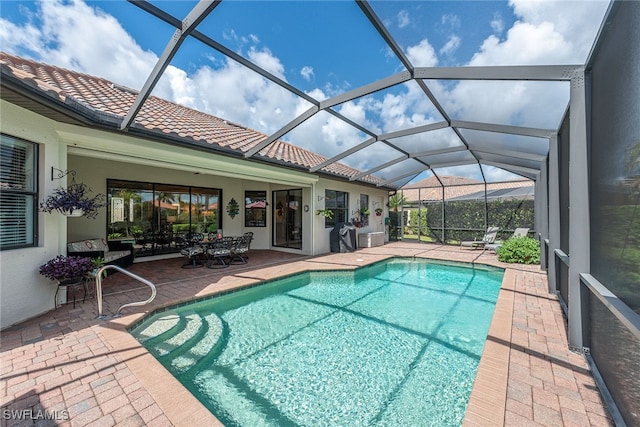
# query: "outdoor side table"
73,284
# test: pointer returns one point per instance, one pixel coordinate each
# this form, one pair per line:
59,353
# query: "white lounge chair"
489,237
519,232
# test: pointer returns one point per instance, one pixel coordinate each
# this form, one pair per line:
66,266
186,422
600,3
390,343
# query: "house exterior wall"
95,172
377,199
97,155
24,293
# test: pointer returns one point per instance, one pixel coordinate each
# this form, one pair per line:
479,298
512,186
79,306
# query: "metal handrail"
128,273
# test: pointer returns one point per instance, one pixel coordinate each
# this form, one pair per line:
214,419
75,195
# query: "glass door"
287,218
160,217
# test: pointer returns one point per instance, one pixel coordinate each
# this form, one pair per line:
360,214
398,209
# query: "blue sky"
324,48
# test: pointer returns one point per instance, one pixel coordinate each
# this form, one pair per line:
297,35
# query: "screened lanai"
368,87
401,117
431,133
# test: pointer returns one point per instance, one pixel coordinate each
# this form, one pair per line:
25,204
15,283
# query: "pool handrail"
128,273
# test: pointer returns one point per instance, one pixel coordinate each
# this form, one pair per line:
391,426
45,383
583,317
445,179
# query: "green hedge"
521,250
465,219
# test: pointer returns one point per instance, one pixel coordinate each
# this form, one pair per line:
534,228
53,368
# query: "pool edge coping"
184,409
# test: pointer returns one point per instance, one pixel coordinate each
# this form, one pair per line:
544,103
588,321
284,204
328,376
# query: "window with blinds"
18,193
338,202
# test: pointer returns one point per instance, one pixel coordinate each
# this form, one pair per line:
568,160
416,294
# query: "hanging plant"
74,201
233,208
327,213
378,212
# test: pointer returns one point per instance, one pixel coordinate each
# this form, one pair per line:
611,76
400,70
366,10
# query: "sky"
323,48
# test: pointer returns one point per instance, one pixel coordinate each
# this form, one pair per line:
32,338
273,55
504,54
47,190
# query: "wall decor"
233,208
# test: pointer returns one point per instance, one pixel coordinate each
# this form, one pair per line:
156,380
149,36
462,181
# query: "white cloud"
497,24
450,46
307,73
451,21
116,56
525,44
265,59
422,54
403,19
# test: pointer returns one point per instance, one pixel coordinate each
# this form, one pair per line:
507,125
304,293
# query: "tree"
396,201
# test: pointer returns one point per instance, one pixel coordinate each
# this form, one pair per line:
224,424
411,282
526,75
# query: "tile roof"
455,186
161,116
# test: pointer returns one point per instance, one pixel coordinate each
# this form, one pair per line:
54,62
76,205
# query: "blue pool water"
397,344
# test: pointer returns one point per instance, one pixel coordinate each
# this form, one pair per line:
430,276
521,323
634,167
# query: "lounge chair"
489,237
519,232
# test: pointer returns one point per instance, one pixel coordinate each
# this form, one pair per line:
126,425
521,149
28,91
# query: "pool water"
397,343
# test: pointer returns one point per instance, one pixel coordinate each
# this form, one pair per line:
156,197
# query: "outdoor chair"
239,250
218,251
249,236
194,251
489,237
519,232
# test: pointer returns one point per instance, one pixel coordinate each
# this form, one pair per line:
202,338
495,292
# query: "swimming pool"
395,343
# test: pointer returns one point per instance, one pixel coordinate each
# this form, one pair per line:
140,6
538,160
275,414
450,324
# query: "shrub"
66,267
521,250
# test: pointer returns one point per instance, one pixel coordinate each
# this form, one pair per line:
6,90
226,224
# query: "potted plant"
96,263
66,269
378,212
74,201
327,213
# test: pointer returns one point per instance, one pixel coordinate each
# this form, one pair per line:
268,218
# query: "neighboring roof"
444,180
519,193
460,188
109,102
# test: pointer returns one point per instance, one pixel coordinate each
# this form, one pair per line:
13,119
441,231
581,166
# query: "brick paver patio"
68,365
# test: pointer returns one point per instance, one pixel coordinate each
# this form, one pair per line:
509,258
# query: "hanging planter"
73,213
327,213
74,201
378,212
233,208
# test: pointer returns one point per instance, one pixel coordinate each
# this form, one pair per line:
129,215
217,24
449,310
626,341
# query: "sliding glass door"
287,218
160,217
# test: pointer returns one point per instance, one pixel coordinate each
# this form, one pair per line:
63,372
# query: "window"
255,208
19,197
338,203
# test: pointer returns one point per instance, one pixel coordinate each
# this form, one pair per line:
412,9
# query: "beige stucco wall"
377,199
95,172
96,156
24,293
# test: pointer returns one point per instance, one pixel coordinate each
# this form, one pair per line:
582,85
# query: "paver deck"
68,365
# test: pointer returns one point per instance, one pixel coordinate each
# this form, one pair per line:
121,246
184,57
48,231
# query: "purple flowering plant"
66,267
76,196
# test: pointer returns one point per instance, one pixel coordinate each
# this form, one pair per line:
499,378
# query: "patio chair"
218,251
489,237
239,250
518,232
194,251
249,236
